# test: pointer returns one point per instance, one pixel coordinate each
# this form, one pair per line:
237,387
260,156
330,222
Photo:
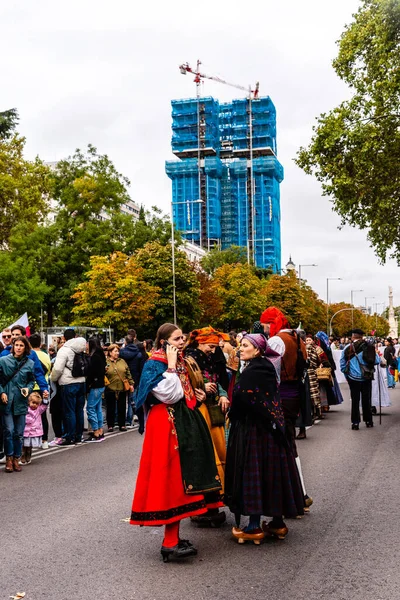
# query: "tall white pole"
173,262
199,154
253,257
327,306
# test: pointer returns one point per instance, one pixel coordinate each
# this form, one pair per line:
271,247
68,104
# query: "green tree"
88,193
355,149
240,293
216,258
8,122
210,302
156,261
115,294
24,188
298,302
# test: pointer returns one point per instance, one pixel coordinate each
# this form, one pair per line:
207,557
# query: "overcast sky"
105,72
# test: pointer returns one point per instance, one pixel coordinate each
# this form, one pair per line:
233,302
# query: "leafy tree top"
8,122
355,149
216,258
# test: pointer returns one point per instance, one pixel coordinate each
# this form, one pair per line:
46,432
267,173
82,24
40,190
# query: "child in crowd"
33,426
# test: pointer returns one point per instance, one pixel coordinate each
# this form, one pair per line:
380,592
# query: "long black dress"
261,476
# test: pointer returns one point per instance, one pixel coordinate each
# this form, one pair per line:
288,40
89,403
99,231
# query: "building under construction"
225,185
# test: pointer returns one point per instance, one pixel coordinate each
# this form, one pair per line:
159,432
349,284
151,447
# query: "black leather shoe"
369,423
355,426
183,549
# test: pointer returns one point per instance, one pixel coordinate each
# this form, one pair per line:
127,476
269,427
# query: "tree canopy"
115,294
156,261
8,122
83,220
216,258
355,148
24,188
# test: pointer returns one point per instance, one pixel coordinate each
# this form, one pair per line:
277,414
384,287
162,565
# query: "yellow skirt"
219,443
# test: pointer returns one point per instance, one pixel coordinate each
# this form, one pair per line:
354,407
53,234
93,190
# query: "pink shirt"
33,423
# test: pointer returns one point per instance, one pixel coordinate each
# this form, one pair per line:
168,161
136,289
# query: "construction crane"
185,68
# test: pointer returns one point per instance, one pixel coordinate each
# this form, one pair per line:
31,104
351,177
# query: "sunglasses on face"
6,337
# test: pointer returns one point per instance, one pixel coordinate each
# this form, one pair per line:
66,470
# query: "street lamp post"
313,265
352,307
366,300
328,279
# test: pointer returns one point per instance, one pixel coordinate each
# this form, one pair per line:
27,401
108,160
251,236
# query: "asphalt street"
65,535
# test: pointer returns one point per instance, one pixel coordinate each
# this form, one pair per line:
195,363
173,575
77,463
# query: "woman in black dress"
261,475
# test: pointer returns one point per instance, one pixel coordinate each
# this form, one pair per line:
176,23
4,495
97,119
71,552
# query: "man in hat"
357,362
291,347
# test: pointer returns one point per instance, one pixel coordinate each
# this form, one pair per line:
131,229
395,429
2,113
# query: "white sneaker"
3,460
45,445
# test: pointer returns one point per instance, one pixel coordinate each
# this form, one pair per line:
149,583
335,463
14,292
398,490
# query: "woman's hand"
172,356
131,388
4,398
224,403
201,396
211,388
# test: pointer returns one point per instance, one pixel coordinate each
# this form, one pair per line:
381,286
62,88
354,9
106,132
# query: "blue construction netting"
185,197
221,127
188,129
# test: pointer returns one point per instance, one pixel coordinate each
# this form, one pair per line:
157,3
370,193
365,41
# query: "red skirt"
159,496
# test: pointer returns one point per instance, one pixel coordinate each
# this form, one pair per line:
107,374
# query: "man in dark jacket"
135,361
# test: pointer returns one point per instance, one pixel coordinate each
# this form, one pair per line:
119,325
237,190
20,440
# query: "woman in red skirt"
177,466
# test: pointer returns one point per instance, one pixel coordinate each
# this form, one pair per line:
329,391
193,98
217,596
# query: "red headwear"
276,320
207,335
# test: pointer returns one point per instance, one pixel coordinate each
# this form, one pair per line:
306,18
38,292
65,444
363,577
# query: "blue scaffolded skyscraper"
225,185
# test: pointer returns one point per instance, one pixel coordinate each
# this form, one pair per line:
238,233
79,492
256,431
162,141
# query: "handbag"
125,381
217,417
324,373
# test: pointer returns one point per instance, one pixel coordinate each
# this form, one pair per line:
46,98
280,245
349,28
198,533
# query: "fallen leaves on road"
18,596
125,520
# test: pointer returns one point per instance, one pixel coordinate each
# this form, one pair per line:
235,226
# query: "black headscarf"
256,396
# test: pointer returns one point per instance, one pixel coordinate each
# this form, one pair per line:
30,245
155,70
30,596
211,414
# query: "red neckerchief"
190,397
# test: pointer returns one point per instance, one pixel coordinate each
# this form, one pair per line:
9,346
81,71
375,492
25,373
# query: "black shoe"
355,426
183,549
373,410
369,423
209,520
67,442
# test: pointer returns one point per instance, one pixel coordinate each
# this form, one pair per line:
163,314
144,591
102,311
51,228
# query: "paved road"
63,534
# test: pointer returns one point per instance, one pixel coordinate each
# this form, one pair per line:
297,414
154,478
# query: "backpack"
367,371
80,365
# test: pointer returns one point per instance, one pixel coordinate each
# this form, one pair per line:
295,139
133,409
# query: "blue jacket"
354,371
39,375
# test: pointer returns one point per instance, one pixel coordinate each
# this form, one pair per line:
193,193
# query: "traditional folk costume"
210,410
292,349
261,475
332,395
313,363
177,466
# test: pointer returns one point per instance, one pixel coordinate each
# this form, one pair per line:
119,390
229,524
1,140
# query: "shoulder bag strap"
15,372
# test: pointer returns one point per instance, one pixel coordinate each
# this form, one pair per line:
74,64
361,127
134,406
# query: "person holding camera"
17,379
